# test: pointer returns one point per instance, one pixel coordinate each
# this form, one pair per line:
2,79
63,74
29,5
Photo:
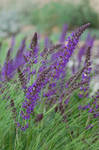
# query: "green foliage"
86,14
51,133
56,14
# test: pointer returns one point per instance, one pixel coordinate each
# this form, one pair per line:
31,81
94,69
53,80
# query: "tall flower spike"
33,54
46,43
62,62
34,41
86,74
8,65
14,111
13,108
32,94
88,54
63,34
39,117
19,59
22,79
11,65
82,50
61,58
54,71
74,78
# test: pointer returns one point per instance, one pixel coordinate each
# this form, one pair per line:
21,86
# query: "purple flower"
66,101
24,127
90,110
32,94
82,51
39,118
49,73
63,34
79,107
89,126
62,57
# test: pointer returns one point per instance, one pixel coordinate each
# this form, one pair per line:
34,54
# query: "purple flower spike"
49,73
63,34
19,59
24,127
89,126
39,118
46,43
79,107
62,57
82,50
91,110
18,124
66,101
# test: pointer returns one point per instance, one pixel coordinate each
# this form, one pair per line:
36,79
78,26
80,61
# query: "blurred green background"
46,16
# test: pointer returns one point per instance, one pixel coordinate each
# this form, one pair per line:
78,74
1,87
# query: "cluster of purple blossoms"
32,94
50,76
62,57
56,69
11,65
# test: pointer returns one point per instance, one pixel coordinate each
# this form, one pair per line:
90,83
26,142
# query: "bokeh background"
46,16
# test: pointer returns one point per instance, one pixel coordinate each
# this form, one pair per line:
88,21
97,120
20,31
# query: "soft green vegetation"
46,18
57,13
51,133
